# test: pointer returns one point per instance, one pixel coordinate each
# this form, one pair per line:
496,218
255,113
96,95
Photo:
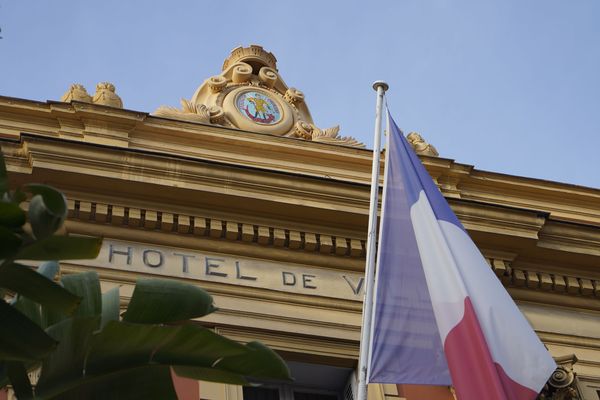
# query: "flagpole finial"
380,84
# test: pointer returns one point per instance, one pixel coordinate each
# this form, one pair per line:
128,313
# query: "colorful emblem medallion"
258,107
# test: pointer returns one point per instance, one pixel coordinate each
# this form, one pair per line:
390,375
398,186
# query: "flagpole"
365,335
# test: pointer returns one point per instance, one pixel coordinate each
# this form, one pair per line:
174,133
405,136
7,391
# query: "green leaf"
209,374
20,338
124,345
10,243
17,196
11,215
61,248
65,365
259,362
3,176
17,374
47,210
86,285
110,306
29,308
3,375
55,201
152,382
27,282
161,301
50,316
195,345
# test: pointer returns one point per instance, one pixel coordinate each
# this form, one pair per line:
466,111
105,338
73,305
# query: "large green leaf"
19,380
195,345
27,282
50,316
20,338
47,210
124,345
110,306
209,374
259,362
3,177
61,248
161,301
87,286
16,196
10,243
151,382
29,308
11,215
65,365
3,375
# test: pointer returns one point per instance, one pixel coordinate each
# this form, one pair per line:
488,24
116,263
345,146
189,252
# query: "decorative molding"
252,69
543,281
147,219
562,384
189,112
321,243
500,220
252,53
570,237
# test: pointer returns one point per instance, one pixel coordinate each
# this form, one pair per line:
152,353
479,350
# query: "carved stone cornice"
210,142
536,284
575,238
511,221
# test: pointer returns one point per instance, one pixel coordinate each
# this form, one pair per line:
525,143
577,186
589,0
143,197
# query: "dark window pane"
312,396
259,393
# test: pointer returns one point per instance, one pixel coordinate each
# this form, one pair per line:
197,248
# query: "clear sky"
510,86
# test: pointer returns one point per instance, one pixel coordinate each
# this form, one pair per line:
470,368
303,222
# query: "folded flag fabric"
441,316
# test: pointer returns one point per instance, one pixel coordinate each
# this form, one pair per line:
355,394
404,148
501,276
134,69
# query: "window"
287,393
312,382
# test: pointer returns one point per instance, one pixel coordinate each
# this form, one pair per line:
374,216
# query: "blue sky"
510,86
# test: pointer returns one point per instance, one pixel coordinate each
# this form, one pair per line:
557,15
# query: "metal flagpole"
365,335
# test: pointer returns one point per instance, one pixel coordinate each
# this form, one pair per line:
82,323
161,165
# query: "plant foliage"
74,333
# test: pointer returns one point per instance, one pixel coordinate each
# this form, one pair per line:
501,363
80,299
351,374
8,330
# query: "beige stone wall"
203,188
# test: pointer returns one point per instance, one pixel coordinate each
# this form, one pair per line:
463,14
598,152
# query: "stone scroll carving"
249,94
562,384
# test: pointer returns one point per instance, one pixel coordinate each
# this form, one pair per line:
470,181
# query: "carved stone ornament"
249,94
76,93
106,95
562,384
420,145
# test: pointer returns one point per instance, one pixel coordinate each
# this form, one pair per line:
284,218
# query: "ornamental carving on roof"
249,94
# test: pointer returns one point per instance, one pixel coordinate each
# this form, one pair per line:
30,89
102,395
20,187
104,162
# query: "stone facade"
274,223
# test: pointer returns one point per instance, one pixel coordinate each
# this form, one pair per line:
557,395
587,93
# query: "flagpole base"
380,84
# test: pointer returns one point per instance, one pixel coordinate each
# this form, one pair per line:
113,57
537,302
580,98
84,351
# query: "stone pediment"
249,94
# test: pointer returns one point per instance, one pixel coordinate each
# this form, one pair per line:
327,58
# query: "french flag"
441,317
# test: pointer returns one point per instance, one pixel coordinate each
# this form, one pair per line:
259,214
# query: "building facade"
239,192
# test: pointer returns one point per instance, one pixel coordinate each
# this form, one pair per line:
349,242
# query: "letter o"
148,262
